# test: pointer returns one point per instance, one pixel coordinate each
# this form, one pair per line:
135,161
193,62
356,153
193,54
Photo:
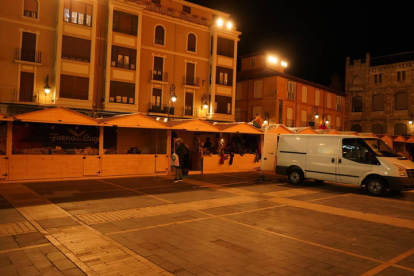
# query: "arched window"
378,129
159,35
401,101
357,104
356,81
400,129
378,102
356,128
31,8
191,43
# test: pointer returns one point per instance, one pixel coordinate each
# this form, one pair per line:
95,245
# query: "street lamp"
327,120
47,86
204,101
173,98
411,119
316,115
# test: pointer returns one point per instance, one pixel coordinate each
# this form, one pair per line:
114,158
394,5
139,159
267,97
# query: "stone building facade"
380,94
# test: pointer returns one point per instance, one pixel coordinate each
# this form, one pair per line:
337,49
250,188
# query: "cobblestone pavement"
222,224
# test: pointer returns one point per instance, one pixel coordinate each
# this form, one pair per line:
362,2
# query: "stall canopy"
333,132
244,128
410,140
57,115
4,117
133,121
278,129
307,130
387,139
193,125
399,138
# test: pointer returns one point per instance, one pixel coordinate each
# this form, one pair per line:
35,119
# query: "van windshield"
380,148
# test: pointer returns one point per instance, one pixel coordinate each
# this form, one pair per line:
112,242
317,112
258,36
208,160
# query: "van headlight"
402,172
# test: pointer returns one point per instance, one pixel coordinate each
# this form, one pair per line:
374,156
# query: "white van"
364,161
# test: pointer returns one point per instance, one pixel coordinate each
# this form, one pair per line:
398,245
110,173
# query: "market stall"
333,132
387,139
307,130
4,151
134,144
399,146
54,143
409,147
201,138
240,149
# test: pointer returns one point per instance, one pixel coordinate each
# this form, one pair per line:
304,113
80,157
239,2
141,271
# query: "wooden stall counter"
26,167
211,163
131,164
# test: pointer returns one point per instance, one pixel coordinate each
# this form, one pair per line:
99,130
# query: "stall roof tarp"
349,133
399,138
4,117
278,129
238,128
307,130
333,132
193,125
57,115
133,120
410,140
366,134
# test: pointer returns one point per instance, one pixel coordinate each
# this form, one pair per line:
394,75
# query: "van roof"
328,135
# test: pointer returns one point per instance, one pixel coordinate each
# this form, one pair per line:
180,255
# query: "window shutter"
304,115
317,97
289,113
304,94
328,100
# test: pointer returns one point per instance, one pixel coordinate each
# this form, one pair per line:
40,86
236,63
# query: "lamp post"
173,98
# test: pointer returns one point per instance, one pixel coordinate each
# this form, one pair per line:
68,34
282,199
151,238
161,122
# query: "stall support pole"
101,147
169,153
9,146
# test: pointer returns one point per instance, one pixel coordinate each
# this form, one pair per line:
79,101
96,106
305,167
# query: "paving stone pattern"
224,224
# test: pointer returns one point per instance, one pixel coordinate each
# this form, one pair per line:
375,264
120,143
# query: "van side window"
355,150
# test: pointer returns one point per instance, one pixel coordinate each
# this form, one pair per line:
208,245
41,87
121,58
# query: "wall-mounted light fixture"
220,23
47,86
204,102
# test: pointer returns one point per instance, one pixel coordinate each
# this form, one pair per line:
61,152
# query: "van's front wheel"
295,176
376,186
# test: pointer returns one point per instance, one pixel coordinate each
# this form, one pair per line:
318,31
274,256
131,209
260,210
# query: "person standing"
182,152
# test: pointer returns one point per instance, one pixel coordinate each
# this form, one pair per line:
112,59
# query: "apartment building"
380,94
263,88
104,57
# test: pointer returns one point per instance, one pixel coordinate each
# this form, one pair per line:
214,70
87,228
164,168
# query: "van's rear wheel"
295,176
376,186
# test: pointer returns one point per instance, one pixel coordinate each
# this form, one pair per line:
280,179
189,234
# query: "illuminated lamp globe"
205,105
327,121
174,98
220,22
229,25
410,122
316,116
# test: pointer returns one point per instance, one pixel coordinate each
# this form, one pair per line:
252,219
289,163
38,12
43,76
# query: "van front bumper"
400,183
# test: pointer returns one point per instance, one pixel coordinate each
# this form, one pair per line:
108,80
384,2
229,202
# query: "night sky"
316,37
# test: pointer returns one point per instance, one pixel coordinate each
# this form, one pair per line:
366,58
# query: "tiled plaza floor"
222,224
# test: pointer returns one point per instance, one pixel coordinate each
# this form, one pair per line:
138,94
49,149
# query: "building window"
225,47
158,72
304,118
378,102
76,48
190,74
339,101
224,76
401,76
156,100
289,117
378,78
317,97
223,104
77,12
401,101
191,42
378,129
304,94
258,89
28,50
356,128
400,129
72,87
159,35
187,9
123,57
291,89
122,92
125,23
239,88
31,8
26,93
357,104
189,98
328,100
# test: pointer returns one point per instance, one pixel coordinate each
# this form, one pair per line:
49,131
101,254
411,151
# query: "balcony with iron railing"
191,81
159,109
76,57
194,18
28,96
158,76
29,56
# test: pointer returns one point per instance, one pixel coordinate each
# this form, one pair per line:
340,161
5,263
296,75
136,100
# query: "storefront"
133,145
54,143
239,149
4,122
195,134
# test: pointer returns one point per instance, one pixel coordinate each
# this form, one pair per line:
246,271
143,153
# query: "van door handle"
333,160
